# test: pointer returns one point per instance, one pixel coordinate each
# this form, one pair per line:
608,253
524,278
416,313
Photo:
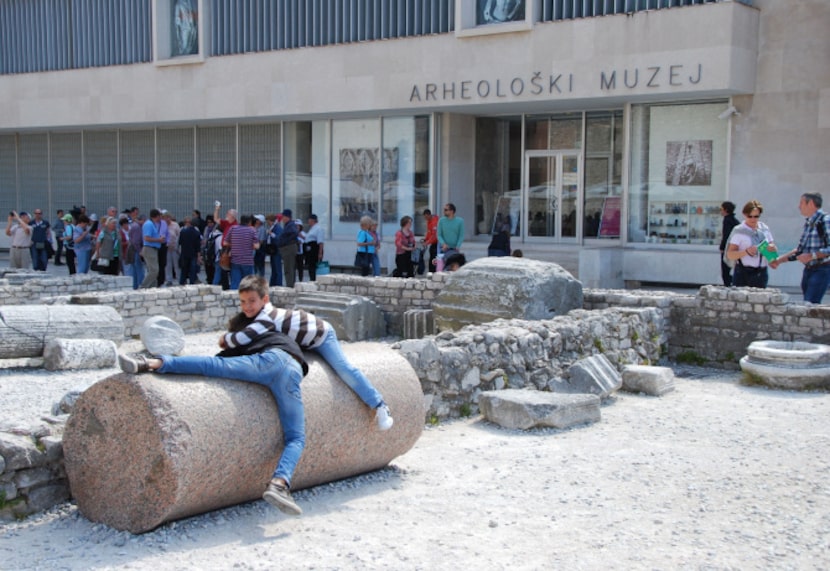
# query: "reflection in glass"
603,174
499,11
406,172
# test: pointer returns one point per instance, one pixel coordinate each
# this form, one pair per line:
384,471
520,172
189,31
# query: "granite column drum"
141,450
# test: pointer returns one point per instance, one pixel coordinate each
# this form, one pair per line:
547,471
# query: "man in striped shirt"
316,334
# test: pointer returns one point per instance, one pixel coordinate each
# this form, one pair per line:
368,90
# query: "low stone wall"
32,475
456,367
23,289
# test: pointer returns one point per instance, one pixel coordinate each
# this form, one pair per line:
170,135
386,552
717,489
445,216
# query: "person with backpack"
812,249
727,210
743,248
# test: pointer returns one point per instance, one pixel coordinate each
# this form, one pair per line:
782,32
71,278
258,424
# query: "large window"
379,169
677,173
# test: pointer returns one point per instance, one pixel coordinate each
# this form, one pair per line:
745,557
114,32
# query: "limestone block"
45,497
184,445
418,323
595,375
60,354
25,329
354,317
67,402
654,381
162,336
20,452
510,288
523,409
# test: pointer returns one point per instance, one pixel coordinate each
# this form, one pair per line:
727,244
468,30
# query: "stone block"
418,323
44,497
523,409
654,381
354,317
505,288
25,329
20,452
32,477
594,375
162,336
61,354
184,444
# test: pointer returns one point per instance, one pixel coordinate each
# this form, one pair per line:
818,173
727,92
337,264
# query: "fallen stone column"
25,329
141,450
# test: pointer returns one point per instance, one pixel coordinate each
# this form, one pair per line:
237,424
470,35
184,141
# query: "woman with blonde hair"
365,246
744,248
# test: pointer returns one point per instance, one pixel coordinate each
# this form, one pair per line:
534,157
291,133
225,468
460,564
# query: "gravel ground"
712,476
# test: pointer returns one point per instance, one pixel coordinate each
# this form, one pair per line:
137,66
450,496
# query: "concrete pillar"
144,449
25,329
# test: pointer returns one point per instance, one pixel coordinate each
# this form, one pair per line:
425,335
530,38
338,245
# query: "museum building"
603,134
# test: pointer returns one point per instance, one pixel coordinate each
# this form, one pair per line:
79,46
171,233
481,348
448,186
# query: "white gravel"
712,476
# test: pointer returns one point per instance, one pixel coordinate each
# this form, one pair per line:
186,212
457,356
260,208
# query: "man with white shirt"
313,247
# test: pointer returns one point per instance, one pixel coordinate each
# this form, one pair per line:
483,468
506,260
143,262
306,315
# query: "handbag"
103,262
225,258
363,260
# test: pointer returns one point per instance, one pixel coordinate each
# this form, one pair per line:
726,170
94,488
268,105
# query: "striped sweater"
303,327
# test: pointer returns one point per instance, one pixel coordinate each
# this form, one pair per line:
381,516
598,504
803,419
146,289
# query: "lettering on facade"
653,76
538,84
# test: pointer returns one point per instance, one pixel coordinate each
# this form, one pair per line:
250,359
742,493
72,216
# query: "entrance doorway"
551,191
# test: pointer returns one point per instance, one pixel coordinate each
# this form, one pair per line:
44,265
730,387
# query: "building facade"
603,133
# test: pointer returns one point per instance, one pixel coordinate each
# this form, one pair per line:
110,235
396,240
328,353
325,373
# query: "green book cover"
763,247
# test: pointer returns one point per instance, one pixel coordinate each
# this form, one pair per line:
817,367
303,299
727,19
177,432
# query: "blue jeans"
332,353
137,271
39,258
814,282
274,369
375,265
82,260
276,270
239,271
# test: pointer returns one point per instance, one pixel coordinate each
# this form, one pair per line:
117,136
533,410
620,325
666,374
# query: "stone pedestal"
144,449
787,365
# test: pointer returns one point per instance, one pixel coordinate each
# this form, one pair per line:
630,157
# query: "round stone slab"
788,365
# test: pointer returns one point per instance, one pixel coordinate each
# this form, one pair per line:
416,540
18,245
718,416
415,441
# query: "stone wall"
456,367
32,475
27,288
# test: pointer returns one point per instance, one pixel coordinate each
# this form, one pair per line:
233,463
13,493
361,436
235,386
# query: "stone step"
354,317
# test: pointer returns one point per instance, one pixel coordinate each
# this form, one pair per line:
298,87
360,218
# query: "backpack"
740,229
209,249
70,243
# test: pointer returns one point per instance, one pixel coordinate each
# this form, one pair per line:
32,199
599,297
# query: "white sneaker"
384,417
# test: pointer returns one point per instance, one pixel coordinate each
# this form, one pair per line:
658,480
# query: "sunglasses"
754,216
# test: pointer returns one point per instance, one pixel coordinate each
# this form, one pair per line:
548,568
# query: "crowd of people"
157,250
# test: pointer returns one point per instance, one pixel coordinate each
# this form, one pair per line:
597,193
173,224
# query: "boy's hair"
254,283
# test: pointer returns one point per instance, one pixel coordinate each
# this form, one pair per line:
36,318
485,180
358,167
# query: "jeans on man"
274,369
239,271
289,263
276,270
188,270
136,270
40,258
83,258
814,282
331,351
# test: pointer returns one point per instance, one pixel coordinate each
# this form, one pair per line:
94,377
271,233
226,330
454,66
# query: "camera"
792,257
217,204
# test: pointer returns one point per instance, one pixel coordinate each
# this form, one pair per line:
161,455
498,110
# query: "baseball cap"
287,212
163,212
67,218
260,217
93,217
24,213
313,217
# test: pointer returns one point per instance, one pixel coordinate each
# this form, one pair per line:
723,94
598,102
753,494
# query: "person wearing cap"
93,225
41,236
190,243
58,228
69,243
313,247
18,229
261,234
287,245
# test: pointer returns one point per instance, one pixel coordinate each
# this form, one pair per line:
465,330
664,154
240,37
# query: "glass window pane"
356,164
8,173
138,169
216,173
67,174
34,172
101,171
259,169
678,173
405,171
603,172
299,157
498,179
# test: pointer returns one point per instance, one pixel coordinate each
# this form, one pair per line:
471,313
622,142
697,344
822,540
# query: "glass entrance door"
551,195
